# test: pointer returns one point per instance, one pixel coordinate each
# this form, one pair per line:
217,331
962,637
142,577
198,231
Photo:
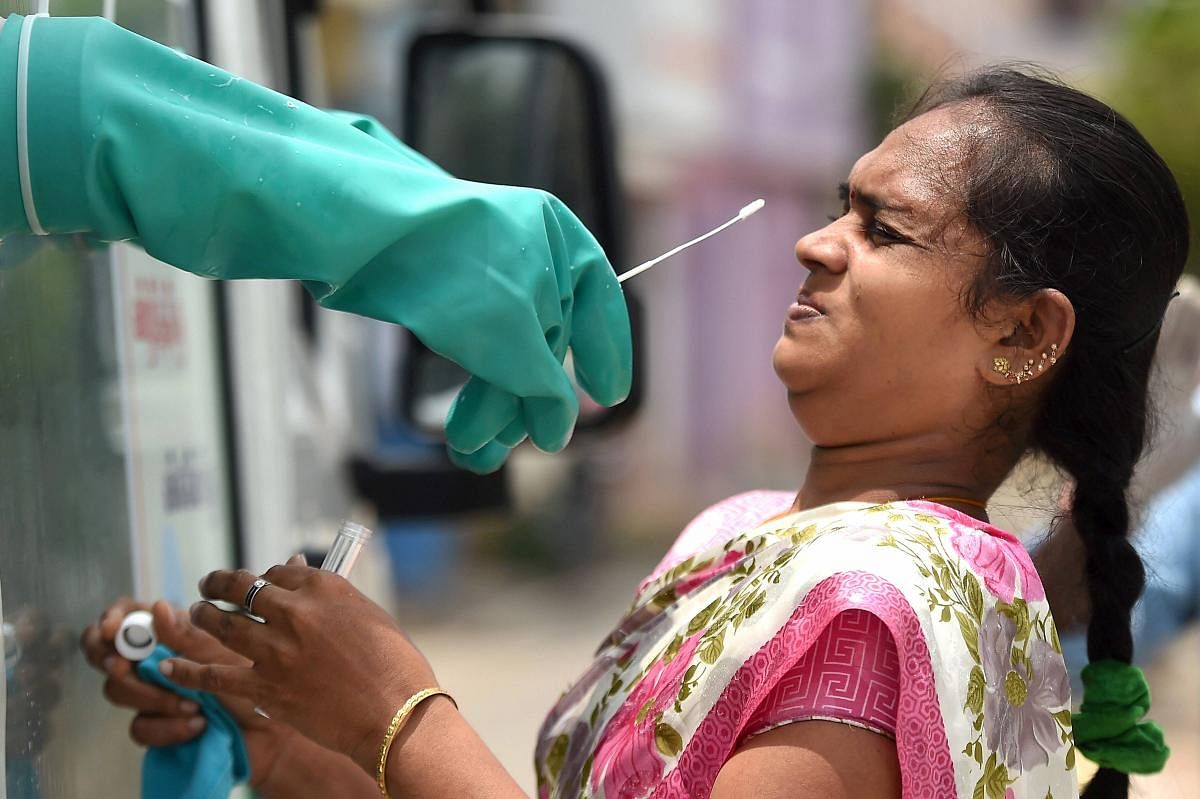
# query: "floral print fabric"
983,709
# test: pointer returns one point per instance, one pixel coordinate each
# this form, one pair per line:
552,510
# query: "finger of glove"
600,337
513,435
550,422
480,412
484,460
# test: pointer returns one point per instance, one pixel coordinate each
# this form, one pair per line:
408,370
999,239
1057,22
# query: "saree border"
926,765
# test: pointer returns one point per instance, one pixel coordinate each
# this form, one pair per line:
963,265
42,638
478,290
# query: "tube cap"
135,638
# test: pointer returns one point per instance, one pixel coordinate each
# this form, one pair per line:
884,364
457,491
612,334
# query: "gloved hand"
480,405
131,140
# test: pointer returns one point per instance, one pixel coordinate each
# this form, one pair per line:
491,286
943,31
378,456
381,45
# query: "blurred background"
156,426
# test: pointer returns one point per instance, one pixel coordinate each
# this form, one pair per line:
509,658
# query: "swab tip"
751,208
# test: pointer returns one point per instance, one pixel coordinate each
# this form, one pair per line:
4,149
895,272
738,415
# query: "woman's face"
879,346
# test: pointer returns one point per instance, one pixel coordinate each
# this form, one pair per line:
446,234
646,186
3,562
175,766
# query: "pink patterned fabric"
718,523
996,555
851,673
750,621
926,766
628,757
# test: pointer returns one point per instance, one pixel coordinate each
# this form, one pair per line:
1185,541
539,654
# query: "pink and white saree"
983,705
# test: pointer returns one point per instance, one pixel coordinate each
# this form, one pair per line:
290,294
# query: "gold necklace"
942,500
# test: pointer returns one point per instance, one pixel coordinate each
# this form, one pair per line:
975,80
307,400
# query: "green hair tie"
1107,728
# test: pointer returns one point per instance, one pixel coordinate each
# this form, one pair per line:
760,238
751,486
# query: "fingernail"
108,663
166,667
196,723
187,706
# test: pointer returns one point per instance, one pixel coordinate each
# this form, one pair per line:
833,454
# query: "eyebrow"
872,201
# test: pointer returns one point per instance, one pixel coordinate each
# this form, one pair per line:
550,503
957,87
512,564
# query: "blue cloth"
206,767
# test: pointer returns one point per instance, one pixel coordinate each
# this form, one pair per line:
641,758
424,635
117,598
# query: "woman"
993,286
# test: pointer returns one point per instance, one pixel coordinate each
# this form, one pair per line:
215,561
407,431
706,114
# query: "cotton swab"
742,214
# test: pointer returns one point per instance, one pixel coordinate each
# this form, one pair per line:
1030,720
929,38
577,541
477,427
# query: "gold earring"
1026,372
1002,366
1050,359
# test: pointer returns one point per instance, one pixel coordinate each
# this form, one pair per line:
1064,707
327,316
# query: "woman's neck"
898,470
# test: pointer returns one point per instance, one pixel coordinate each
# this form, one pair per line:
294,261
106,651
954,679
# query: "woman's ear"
1029,338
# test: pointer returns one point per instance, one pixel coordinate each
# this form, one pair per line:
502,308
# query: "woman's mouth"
804,308
798,312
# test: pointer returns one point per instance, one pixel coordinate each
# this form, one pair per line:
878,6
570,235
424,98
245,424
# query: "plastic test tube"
136,639
351,538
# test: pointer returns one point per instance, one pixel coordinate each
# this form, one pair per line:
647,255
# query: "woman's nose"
823,249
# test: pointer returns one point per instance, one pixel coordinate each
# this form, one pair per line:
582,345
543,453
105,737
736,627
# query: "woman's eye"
879,233
883,234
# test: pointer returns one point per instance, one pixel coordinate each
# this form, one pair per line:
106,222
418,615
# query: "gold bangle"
397,724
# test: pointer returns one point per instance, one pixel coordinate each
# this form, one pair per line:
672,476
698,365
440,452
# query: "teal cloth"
1107,728
206,767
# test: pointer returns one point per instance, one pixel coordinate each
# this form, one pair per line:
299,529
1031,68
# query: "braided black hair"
1071,197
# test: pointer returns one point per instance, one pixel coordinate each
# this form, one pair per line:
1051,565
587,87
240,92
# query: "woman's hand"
164,718
328,661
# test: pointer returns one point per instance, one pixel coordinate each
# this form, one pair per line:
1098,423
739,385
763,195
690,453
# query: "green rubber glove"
128,139
491,455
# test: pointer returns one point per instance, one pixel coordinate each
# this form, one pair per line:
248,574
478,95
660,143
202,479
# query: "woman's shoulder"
938,535
975,649
720,522
968,614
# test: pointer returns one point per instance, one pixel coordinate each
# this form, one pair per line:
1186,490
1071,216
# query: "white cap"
136,639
